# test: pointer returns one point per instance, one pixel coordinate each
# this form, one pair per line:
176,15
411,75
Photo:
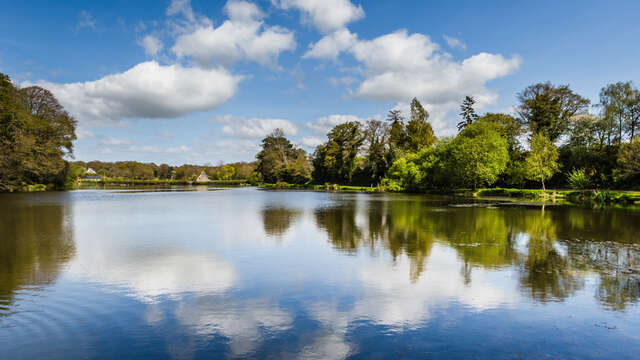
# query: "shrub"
578,179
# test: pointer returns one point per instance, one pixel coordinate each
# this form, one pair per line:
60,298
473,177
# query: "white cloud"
311,141
243,36
181,7
156,150
322,125
400,66
325,15
455,43
243,10
331,45
148,90
114,142
151,45
82,133
254,127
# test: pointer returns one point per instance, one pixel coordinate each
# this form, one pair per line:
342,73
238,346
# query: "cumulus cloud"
243,36
311,141
148,90
331,45
455,43
151,45
400,66
323,124
325,15
254,127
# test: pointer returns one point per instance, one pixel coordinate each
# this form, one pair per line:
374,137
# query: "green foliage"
629,159
541,162
467,113
226,172
419,131
547,109
35,136
335,161
478,155
279,160
578,179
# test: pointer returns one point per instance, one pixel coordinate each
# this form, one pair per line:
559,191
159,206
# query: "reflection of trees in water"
277,220
491,238
36,241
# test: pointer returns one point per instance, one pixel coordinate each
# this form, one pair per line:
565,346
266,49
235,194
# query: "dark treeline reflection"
278,219
37,240
554,248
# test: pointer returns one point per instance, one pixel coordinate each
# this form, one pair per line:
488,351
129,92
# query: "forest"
556,138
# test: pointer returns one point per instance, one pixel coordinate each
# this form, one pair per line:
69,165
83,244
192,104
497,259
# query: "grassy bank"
581,197
572,196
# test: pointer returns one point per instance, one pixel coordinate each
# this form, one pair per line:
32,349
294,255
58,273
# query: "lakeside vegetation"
556,140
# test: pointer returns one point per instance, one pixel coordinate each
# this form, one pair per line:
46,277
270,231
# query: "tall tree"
279,160
335,160
616,101
633,108
376,147
547,108
419,131
397,131
467,112
542,160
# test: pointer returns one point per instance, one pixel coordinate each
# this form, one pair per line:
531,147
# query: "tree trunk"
543,189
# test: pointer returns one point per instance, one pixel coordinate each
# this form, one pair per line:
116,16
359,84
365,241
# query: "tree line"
555,138
134,170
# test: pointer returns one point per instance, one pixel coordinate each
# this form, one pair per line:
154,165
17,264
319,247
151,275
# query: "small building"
91,175
202,177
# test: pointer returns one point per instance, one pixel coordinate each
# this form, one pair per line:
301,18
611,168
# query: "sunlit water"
244,273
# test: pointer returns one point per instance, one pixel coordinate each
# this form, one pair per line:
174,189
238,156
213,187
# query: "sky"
202,82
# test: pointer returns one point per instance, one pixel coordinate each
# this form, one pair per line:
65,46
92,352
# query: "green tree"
509,127
467,113
479,154
279,160
542,159
397,132
335,160
547,108
419,131
376,147
36,135
629,158
226,172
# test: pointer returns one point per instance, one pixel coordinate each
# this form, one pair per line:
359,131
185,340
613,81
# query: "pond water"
244,273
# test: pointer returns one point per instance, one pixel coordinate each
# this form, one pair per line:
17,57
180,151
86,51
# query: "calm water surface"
243,273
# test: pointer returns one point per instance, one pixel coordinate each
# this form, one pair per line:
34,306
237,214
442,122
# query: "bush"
578,179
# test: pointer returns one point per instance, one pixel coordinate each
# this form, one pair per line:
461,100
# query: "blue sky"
203,81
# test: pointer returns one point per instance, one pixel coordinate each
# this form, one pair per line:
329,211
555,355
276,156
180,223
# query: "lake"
245,273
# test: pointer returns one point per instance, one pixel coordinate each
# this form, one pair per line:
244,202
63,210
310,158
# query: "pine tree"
467,112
